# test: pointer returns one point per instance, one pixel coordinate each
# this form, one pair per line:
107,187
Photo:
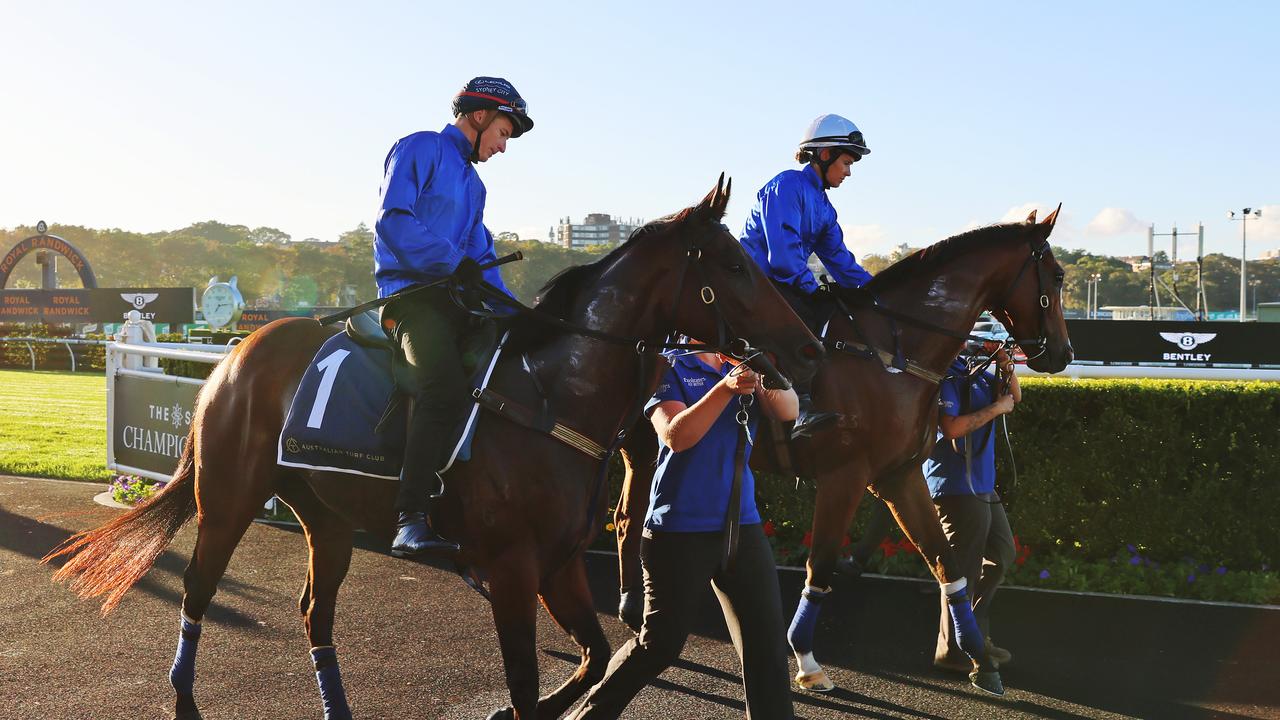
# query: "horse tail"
110,559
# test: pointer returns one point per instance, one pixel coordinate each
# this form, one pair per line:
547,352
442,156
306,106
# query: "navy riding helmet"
493,93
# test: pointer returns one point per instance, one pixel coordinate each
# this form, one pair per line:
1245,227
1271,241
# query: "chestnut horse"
887,418
522,507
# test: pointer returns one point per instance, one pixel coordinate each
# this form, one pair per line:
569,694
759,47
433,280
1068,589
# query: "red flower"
769,529
808,539
845,542
888,548
905,546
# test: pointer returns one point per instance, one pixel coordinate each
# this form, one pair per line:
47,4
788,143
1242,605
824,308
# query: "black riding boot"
808,421
414,534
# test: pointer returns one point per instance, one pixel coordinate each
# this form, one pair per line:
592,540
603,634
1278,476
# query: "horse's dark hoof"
506,713
987,682
188,715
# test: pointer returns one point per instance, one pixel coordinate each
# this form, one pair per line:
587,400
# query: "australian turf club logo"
1188,341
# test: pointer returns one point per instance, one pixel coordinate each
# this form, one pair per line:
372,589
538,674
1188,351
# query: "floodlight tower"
1244,271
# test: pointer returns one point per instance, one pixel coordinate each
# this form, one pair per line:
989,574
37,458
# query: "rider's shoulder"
789,181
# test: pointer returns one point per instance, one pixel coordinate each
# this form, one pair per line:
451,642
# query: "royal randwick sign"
160,305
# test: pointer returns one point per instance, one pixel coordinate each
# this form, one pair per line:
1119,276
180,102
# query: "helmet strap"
475,146
824,165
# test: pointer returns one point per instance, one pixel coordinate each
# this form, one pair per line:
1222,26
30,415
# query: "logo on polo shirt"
695,381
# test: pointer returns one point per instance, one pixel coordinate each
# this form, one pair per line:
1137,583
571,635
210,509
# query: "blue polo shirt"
791,220
690,490
945,468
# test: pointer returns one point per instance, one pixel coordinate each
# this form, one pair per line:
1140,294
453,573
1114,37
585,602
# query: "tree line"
274,271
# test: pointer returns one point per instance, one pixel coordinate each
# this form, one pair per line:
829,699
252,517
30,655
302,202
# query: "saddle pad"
340,400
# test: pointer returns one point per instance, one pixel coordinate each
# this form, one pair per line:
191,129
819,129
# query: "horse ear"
714,204
1052,219
1031,218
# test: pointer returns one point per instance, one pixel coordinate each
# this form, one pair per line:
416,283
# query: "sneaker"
998,654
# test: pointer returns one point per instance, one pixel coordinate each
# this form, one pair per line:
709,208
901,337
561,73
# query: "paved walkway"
415,643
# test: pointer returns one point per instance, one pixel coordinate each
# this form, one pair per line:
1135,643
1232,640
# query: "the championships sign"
149,422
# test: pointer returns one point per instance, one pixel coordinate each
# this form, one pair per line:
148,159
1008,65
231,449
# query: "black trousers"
677,568
815,313
978,531
429,327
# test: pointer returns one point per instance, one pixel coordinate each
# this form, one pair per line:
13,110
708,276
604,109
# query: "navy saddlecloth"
341,398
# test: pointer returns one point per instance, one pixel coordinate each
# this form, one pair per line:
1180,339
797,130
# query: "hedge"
1170,470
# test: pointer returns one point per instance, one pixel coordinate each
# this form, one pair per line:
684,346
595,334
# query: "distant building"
596,229
1270,254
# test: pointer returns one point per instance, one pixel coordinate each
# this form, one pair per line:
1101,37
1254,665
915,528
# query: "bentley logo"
1188,340
139,300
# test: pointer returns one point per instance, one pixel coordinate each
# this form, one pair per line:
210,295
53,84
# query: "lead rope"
733,513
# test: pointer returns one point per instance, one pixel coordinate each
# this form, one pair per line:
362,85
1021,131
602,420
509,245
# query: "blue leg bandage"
805,621
183,673
332,695
968,636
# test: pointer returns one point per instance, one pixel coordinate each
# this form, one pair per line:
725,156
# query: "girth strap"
887,358
521,415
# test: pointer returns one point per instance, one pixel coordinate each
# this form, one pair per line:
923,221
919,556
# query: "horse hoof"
506,713
816,681
988,682
188,715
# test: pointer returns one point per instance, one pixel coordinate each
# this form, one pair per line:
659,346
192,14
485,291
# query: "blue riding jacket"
791,220
432,213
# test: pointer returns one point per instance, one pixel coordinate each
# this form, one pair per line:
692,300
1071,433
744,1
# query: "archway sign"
47,242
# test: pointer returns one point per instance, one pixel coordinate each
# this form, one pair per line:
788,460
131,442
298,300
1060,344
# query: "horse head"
1031,307
720,295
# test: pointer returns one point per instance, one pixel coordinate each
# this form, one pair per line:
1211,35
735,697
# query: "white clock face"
219,305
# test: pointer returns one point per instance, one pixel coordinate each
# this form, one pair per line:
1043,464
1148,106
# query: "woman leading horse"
882,381
522,509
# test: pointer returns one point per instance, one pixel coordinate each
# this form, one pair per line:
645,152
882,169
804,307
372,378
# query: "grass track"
53,424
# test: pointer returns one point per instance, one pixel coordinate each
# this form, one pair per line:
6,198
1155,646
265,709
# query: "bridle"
1040,344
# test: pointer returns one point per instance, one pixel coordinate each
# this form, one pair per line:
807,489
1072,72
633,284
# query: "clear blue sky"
153,115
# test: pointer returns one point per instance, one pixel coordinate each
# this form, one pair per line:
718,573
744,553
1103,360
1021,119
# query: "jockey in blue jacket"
793,219
431,225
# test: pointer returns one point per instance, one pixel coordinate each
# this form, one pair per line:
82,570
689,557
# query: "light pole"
1254,284
1096,279
1244,221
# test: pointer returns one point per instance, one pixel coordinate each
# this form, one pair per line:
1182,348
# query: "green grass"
54,425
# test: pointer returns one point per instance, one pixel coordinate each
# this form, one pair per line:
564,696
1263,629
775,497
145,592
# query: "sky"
151,116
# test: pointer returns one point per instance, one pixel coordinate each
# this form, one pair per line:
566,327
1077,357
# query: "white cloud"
1114,221
1266,228
1019,213
864,239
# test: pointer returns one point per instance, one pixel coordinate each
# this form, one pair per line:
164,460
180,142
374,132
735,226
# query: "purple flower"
1132,549
1191,578
1044,574
1202,568
1222,570
1135,560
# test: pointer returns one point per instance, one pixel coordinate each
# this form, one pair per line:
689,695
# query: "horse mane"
945,250
557,296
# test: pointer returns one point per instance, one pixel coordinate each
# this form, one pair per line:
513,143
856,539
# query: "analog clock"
221,304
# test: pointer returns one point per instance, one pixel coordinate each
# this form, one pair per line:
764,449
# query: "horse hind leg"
567,597
329,541
224,518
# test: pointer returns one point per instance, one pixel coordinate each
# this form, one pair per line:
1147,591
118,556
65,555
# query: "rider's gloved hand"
855,296
468,273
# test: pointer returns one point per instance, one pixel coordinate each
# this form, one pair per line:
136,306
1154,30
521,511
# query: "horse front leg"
838,494
638,457
513,588
567,597
909,500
